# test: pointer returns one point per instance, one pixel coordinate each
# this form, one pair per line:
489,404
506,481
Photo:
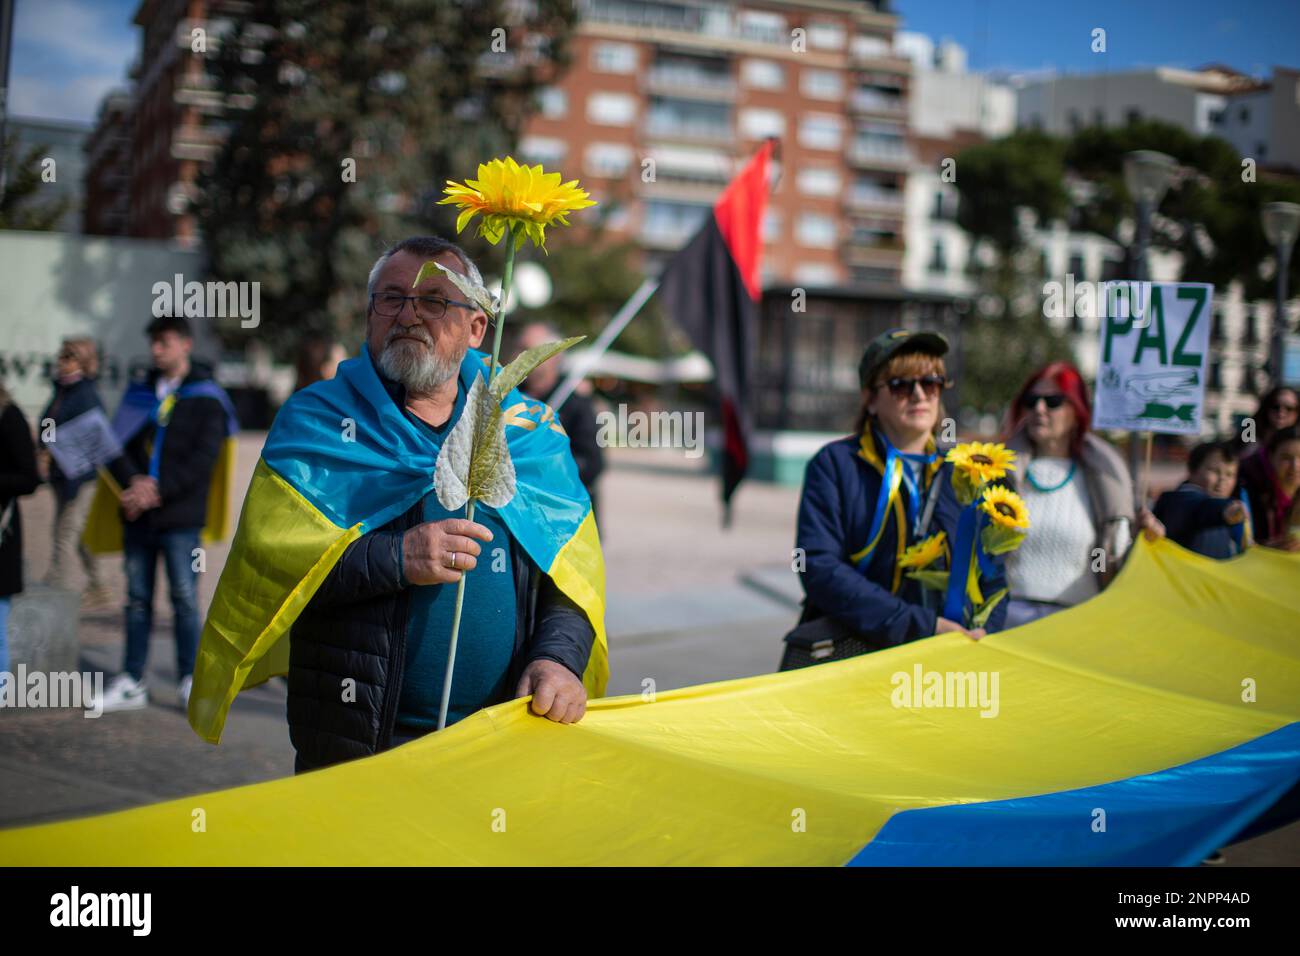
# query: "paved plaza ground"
688,604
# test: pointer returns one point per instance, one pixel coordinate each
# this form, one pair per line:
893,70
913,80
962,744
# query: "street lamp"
1147,174
1281,224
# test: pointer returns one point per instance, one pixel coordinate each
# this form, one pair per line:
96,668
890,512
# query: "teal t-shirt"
487,622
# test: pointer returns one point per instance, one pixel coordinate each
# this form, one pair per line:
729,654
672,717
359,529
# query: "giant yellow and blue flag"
1147,726
342,459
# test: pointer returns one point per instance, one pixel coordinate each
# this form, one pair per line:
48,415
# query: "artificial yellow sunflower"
924,553
510,195
1005,508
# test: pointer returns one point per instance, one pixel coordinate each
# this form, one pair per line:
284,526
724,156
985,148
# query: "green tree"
21,205
343,123
1210,215
1006,337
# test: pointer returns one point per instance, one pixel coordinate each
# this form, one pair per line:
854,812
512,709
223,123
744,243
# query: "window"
1244,114
759,123
815,274
938,262
816,231
824,35
762,74
762,26
822,84
613,58
937,212
818,181
553,102
1076,266
611,109
608,159
1133,115
543,149
673,221
820,131
772,226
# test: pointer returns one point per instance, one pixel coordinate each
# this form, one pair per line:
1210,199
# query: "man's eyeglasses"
389,305
902,388
1051,401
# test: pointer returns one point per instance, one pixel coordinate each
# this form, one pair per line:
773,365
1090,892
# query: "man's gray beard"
419,369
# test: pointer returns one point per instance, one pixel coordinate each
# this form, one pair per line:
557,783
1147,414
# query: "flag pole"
584,363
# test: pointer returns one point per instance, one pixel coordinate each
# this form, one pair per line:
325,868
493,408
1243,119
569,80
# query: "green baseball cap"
888,344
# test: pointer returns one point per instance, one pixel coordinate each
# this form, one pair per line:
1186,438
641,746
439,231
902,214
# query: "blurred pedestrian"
172,426
76,369
853,529
1279,408
577,415
1201,514
17,478
1271,491
318,360
1078,490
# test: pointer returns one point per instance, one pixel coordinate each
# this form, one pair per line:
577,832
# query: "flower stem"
455,635
506,277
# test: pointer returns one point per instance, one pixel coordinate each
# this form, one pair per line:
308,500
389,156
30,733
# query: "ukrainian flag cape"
342,459
140,406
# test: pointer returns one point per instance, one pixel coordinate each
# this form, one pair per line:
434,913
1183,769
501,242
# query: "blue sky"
1032,35
68,53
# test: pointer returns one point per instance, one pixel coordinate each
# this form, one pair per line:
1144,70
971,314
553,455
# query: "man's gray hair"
426,247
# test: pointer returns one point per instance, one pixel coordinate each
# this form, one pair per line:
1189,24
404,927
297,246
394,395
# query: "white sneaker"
124,692
183,693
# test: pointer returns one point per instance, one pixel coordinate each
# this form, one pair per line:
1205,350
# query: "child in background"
1200,514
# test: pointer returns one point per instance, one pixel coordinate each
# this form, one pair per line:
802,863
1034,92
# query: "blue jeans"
141,548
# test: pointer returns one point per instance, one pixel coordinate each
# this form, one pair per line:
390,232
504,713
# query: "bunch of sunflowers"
997,519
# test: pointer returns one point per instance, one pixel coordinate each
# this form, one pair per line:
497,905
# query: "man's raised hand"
438,552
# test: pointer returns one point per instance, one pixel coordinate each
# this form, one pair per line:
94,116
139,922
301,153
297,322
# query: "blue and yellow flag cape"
342,459
140,407
1147,726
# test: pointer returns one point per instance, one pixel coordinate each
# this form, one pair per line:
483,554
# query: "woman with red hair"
1078,491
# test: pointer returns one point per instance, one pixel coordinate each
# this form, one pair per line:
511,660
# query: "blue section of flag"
347,448
1175,817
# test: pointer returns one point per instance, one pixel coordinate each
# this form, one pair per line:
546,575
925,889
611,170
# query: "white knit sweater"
1054,563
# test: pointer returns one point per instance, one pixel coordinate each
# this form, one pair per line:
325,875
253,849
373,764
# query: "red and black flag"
712,288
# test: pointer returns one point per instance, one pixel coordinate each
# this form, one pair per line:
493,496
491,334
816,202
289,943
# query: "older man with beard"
380,621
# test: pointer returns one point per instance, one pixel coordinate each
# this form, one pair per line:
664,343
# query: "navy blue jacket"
1194,519
839,497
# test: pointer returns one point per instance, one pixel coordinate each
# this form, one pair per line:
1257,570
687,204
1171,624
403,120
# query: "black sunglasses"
902,388
1051,401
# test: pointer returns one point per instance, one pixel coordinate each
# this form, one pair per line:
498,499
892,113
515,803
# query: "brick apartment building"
663,101
149,141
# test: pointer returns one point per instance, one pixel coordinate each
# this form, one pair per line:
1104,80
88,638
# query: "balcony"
690,130
864,251
692,84
875,200
873,101
878,155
